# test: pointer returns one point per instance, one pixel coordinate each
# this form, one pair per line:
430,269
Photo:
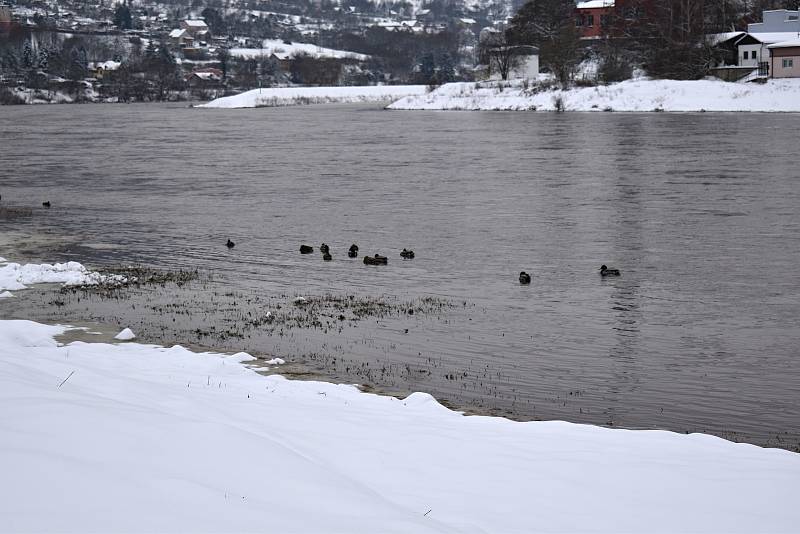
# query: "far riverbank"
640,95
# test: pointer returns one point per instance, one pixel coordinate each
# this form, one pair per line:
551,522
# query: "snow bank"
14,276
281,48
292,96
632,95
131,437
126,335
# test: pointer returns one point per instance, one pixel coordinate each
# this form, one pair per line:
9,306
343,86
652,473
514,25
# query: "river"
699,211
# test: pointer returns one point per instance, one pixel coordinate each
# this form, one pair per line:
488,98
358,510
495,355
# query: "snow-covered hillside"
281,48
633,95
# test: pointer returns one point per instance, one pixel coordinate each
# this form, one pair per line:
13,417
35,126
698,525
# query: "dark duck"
608,271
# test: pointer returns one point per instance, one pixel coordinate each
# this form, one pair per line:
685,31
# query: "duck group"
408,254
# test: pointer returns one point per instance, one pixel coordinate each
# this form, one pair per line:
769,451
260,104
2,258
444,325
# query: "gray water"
699,211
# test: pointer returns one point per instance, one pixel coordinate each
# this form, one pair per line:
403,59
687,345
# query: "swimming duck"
524,278
376,260
46,203
353,252
305,249
327,256
605,271
407,254
324,248
230,244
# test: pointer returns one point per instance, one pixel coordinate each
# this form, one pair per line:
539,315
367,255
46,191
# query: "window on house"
754,55
590,20
605,20
788,63
745,54
579,20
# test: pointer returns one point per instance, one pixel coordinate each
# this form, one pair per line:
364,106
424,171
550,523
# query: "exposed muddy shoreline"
334,338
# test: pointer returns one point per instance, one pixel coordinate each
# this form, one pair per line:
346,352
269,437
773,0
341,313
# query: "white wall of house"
528,67
751,55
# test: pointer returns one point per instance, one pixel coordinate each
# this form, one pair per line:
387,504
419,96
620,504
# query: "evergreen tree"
447,69
122,17
223,56
427,68
28,58
78,64
42,60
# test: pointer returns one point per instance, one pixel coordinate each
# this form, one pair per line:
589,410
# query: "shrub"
7,98
558,103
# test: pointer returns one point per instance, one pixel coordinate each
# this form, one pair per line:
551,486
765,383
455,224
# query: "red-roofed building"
5,18
593,17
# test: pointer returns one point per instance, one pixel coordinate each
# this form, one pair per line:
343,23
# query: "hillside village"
138,50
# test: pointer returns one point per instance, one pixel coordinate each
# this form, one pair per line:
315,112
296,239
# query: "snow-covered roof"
206,75
775,37
794,43
468,21
108,65
595,4
196,23
175,34
716,38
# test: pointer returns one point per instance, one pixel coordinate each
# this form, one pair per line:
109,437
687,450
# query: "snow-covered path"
294,96
145,438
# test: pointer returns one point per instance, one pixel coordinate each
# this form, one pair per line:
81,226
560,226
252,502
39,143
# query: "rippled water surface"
699,211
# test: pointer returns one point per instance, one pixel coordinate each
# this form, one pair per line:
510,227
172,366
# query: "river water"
699,211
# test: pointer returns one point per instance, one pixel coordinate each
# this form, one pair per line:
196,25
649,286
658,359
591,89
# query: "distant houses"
767,49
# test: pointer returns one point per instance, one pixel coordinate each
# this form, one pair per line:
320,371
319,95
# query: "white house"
195,27
754,47
527,65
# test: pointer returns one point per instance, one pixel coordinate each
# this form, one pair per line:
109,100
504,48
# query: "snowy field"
131,437
633,95
292,96
278,46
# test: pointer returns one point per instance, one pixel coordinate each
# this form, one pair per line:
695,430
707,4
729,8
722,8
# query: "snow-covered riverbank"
133,437
293,96
633,95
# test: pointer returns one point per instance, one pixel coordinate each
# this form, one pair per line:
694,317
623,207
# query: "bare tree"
495,52
550,26
671,36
